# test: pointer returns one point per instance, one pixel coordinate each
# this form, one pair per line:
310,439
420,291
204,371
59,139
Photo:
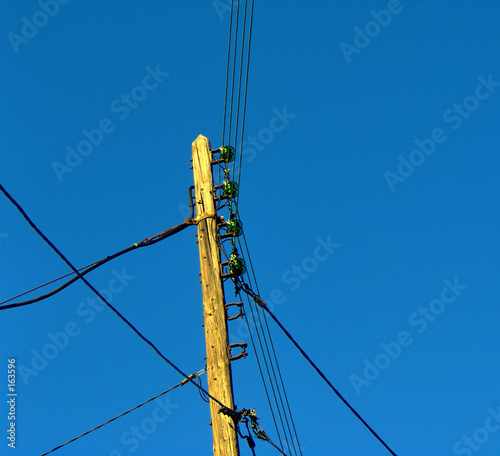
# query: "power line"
266,364
239,84
265,330
273,390
129,324
196,375
46,283
85,270
262,304
234,67
245,101
227,79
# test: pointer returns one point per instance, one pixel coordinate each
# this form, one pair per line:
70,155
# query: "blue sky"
385,146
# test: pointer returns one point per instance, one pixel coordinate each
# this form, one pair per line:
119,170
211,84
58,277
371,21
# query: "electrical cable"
247,255
266,364
261,303
46,283
239,85
272,374
196,375
83,271
260,371
245,101
129,324
234,67
227,79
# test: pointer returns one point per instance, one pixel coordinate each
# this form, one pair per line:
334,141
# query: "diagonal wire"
263,329
270,379
196,375
239,85
245,101
47,283
234,67
259,301
227,77
271,344
221,248
260,369
130,325
85,270
266,364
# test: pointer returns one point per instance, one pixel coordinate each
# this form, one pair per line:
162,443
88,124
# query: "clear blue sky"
389,151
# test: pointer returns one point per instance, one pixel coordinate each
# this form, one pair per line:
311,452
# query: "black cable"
234,66
130,325
272,345
260,370
248,437
239,86
269,371
227,78
259,301
221,247
83,271
46,283
245,101
196,375
202,395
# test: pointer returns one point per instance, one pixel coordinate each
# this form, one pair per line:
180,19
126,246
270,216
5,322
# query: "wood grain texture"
225,440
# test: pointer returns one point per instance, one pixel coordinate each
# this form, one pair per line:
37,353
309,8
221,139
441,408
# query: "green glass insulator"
236,265
230,189
227,153
234,227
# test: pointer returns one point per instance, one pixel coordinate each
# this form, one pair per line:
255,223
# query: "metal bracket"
223,274
243,353
221,197
240,310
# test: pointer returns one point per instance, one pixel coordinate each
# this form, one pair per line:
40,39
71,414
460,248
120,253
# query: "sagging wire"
265,330
195,375
249,416
258,300
89,268
99,295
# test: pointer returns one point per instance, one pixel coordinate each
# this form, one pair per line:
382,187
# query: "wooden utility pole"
214,312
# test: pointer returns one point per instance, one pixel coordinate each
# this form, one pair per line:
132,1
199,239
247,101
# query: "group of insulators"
234,227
